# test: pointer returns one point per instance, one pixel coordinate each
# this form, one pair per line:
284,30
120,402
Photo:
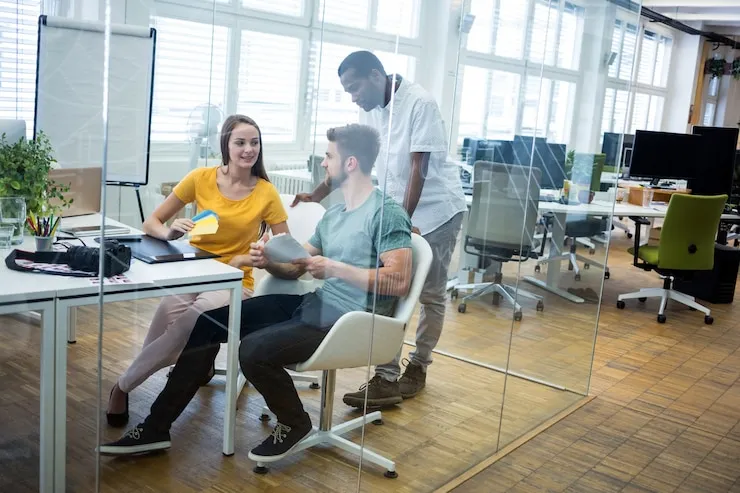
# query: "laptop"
84,189
151,250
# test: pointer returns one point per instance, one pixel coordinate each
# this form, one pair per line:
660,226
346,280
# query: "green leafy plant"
24,172
716,67
735,68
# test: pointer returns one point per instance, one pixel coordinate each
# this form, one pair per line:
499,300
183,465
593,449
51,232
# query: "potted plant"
24,172
716,67
735,68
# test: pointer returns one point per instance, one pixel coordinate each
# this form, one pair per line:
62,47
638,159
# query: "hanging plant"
735,68
716,67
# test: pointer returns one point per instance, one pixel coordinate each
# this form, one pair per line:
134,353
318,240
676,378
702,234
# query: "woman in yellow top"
239,192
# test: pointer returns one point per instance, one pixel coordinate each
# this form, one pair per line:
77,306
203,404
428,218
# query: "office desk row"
56,297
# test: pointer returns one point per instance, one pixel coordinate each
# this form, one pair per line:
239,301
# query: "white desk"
57,298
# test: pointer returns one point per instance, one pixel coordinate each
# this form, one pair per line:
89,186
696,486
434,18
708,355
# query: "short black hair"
360,141
363,62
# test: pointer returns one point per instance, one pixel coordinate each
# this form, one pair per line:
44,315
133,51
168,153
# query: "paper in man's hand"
284,248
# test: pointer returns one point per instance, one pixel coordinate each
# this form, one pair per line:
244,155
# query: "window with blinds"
624,44
284,7
18,39
269,75
489,104
186,78
330,106
395,17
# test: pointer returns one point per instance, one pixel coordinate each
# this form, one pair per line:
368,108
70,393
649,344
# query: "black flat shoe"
117,420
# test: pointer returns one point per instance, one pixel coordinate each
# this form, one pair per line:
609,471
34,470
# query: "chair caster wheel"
391,474
642,300
264,417
607,275
708,320
260,469
461,307
378,422
517,316
453,294
629,235
540,306
314,386
537,268
620,304
496,300
586,266
592,251
661,319
578,277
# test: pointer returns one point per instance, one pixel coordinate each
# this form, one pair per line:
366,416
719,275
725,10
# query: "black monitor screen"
657,155
717,161
613,152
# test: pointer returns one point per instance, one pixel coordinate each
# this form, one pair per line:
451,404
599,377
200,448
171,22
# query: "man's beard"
336,182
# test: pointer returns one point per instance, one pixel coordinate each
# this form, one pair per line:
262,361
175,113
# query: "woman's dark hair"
231,122
259,166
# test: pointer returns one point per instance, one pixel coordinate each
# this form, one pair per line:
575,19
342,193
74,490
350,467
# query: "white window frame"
306,28
524,68
633,86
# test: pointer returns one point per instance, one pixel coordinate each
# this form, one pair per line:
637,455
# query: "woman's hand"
180,227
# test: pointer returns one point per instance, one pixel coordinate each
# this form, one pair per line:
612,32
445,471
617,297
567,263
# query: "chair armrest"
639,221
273,285
348,343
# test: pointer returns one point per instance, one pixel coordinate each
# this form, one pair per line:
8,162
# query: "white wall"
685,59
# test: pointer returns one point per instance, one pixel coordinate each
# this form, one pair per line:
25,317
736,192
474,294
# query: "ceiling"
722,16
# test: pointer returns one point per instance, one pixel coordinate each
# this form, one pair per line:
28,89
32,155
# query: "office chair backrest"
505,201
689,232
303,218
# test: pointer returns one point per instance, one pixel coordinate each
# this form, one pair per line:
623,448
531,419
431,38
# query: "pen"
54,227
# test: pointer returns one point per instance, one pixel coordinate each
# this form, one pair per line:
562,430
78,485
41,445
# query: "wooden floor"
666,416
660,387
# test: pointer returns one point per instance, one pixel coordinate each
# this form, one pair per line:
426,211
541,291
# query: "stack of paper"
206,223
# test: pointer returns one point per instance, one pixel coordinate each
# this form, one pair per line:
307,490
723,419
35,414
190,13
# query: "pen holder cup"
44,243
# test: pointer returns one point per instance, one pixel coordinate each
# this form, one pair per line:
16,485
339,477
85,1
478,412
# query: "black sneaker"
280,442
380,393
413,380
138,440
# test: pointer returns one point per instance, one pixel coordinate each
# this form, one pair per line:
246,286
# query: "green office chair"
686,246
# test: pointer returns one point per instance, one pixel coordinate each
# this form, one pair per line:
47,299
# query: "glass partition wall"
506,107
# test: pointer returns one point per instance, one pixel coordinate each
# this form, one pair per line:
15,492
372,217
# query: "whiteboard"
69,96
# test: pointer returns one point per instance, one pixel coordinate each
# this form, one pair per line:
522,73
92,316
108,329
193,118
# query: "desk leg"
72,326
60,397
46,445
553,268
232,369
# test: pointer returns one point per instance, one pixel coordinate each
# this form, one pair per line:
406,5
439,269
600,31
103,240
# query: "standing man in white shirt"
411,168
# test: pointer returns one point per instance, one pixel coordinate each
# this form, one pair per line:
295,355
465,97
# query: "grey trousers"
442,241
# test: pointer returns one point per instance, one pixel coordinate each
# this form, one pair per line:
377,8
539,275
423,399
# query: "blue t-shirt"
357,238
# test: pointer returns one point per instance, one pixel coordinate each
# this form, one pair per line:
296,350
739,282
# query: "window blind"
186,78
284,7
18,39
269,75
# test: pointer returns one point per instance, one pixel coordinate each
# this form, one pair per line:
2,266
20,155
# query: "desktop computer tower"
716,285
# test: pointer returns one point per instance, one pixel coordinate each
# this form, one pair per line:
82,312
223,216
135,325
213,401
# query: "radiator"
288,184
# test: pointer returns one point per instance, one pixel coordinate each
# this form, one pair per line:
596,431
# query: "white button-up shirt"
416,125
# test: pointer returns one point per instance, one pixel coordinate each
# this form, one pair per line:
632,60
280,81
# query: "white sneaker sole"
134,449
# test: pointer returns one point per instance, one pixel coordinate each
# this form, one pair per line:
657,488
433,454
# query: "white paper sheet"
284,249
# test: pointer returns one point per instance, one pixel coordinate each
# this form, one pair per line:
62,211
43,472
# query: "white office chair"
357,339
302,222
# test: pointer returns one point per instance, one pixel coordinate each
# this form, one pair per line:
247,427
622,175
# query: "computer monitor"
13,130
495,151
616,155
717,161
664,155
550,159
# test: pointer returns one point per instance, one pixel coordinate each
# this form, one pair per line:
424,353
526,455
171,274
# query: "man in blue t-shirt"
281,330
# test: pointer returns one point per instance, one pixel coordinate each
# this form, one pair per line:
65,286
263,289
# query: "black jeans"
276,331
